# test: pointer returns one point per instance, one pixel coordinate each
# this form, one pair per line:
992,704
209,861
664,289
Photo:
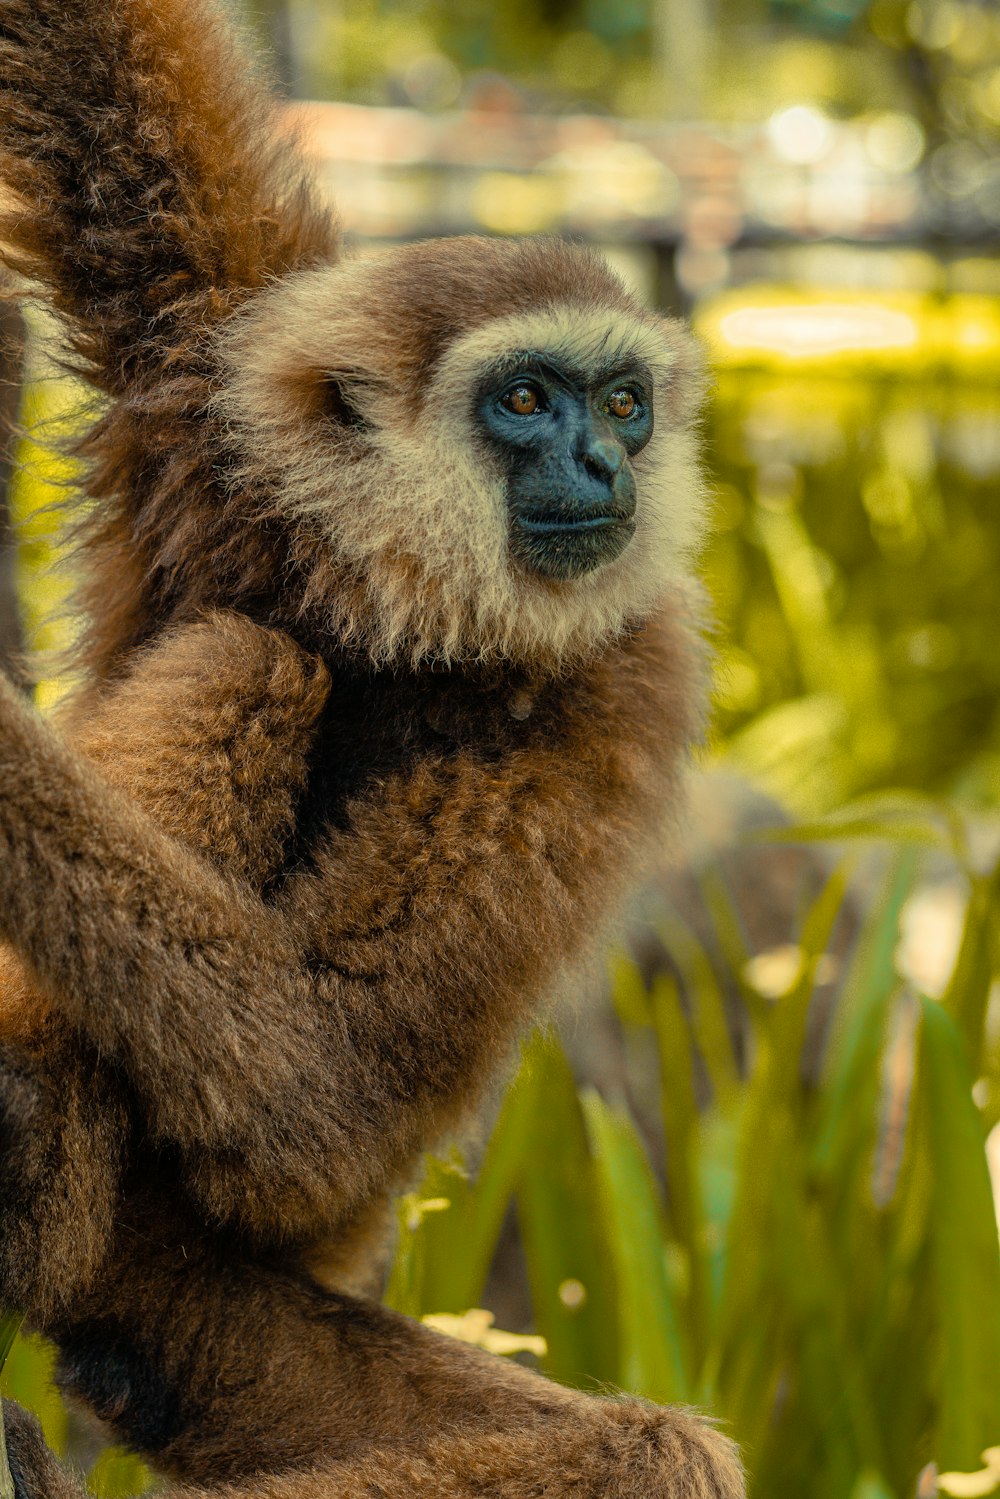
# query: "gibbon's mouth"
560,547
542,525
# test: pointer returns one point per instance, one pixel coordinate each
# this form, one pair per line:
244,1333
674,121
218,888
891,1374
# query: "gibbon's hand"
303,1052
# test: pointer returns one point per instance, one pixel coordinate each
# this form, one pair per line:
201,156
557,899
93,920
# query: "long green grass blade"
10,1322
963,1235
570,1271
968,991
652,1360
707,1007
853,1072
681,1127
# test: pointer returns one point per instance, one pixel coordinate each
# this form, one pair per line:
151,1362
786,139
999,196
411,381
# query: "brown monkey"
392,664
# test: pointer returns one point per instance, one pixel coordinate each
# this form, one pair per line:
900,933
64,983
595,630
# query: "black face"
565,445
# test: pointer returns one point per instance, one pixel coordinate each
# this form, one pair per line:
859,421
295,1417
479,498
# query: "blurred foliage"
818,1263
938,60
855,563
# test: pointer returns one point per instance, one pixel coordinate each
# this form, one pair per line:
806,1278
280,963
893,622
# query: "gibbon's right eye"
523,399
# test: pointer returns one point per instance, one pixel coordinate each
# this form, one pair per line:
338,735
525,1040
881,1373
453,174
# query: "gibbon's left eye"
523,400
621,404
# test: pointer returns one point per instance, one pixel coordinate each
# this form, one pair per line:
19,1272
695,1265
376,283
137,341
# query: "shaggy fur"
343,794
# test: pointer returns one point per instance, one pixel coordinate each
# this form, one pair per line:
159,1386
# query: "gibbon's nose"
603,459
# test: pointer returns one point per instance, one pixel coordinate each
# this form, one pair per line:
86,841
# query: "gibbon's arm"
211,734
152,186
302,1053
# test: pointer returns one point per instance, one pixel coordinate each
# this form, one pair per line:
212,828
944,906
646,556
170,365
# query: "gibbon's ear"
344,400
689,380
340,398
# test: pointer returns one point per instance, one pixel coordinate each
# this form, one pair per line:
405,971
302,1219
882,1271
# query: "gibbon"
392,661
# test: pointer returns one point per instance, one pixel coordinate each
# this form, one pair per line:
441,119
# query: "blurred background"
753,1168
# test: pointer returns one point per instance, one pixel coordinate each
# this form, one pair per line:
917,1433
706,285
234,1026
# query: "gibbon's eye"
622,404
523,400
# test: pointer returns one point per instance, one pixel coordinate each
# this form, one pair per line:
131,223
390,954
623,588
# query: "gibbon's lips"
562,547
543,523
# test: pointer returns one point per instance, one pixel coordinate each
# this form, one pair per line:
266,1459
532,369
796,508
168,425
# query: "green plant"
819,1261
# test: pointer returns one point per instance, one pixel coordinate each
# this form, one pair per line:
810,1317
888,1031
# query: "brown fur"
342,797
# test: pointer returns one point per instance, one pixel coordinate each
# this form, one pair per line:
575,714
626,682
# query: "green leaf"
652,1358
709,1025
963,1234
680,1127
9,1324
894,817
570,1270
968,991
853,1071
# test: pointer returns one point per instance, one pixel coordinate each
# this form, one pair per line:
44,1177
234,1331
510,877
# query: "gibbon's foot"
34,1469
608,1449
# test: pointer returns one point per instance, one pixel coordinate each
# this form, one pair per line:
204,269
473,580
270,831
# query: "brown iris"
621,403
522,400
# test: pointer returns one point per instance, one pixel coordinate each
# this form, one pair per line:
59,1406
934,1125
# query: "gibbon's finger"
304,1052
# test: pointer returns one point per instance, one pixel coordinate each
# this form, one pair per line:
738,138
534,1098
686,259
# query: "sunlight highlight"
808,332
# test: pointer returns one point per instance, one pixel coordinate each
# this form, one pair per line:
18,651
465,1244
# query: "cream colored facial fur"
414,509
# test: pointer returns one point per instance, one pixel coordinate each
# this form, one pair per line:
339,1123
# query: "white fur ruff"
416,509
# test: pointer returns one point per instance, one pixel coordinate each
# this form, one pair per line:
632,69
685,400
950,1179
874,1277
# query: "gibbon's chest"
376,725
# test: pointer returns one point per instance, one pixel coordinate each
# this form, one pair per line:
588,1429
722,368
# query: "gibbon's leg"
211,734
218,1368
633,1452
304,1052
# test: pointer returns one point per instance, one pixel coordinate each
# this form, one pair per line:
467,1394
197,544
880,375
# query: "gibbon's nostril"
602,460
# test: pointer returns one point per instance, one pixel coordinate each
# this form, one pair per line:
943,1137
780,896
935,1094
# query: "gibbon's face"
565,444
489,444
